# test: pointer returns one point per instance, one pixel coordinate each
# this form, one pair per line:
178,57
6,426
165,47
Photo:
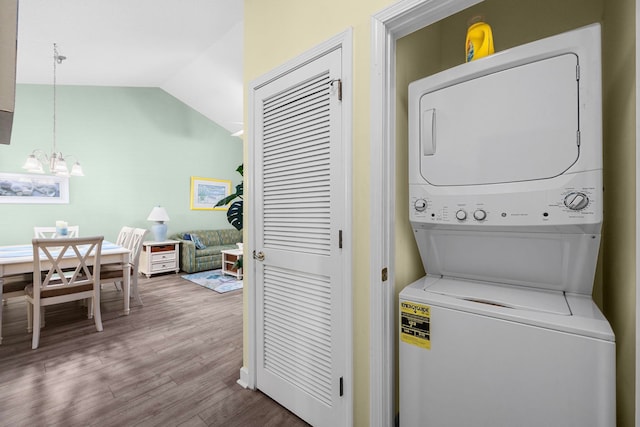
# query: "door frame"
342,41
387,26
637,379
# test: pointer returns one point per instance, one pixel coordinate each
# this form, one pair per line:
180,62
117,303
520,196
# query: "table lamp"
159,229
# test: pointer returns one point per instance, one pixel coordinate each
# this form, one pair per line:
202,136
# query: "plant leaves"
226,200
234,214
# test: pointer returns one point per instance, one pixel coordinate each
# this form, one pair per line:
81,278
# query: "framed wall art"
30,188
206,192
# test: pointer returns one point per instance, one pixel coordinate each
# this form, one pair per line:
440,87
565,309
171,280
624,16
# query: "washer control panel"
568,205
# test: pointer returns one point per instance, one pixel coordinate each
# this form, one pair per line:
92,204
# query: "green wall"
138,148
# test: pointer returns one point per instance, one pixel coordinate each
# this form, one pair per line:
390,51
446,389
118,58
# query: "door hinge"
339,82
578,137
341,386
385,274
340,239
578,72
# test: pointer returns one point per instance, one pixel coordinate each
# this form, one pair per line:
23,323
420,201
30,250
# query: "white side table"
159,257
229,258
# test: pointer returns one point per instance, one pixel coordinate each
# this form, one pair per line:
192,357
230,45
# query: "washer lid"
515,297
517,124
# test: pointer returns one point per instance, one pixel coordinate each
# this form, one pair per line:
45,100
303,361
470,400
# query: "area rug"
214,280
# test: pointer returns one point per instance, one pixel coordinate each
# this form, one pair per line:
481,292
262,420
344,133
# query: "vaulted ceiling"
192,49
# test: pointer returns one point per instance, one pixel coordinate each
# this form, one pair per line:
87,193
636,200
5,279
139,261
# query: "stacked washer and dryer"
505,184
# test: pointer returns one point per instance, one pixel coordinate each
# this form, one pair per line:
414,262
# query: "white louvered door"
300,211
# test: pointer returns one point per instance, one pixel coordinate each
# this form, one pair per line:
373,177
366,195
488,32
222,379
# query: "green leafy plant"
235,211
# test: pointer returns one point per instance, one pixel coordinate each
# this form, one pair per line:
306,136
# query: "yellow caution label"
415,324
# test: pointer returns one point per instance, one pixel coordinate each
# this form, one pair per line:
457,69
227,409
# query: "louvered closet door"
300,209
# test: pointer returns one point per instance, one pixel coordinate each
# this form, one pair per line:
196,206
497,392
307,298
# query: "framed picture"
30,188
206,192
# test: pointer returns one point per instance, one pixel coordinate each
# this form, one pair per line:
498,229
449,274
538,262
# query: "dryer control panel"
579,201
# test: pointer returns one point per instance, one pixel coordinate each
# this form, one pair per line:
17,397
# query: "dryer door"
518,124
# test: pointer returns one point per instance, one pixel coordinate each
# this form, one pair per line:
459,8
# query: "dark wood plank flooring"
173,362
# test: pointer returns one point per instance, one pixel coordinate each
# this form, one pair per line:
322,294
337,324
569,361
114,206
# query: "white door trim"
387,26
342,41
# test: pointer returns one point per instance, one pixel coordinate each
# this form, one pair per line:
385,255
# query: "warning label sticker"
415,325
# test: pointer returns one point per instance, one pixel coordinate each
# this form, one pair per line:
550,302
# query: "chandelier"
55,161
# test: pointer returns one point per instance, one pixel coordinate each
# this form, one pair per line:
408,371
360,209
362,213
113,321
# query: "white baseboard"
244,377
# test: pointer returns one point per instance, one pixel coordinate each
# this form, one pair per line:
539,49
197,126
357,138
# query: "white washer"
505,175
548,362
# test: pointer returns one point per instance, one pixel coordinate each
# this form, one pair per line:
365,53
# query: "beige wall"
619,183
279,30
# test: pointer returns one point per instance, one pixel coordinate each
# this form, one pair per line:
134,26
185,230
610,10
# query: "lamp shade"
159,214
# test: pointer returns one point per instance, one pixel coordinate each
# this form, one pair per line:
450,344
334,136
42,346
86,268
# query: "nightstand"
159,257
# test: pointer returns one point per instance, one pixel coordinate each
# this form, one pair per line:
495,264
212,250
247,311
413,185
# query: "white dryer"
505,176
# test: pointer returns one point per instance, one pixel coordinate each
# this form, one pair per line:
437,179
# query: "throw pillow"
186,236
198,242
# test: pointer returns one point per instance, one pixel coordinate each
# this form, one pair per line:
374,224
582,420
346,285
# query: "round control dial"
420,205
576,201
461,215
480,215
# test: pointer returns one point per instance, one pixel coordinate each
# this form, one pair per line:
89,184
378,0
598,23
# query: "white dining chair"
66,269
124,236
52,232
114,272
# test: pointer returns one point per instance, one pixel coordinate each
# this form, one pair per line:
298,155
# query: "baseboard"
244,377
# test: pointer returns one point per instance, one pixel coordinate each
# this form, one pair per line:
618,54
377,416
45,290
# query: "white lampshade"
159,214
76,170
32,164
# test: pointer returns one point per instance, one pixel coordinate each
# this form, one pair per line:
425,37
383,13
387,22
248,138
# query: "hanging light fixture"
56,163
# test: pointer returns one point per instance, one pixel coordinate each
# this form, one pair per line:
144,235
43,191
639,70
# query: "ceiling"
191,49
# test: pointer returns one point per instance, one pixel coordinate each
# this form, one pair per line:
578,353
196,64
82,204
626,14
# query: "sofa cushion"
230,236
207,237
196,240
210,250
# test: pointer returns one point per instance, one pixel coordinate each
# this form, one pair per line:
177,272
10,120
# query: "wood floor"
173,362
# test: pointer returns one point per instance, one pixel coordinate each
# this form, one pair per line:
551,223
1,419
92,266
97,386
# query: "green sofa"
210,258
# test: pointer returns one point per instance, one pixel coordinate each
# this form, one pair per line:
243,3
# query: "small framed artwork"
30,188
206,192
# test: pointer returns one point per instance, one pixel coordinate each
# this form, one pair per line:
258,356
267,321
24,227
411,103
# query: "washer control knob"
480,215
576,201
420,205
461,215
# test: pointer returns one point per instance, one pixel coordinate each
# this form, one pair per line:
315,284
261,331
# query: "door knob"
259,256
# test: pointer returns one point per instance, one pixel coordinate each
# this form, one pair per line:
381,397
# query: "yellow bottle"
479,41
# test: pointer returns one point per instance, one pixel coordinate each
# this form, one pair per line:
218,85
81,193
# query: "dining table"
18,260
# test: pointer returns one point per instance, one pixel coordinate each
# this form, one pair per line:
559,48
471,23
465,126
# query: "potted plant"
235,211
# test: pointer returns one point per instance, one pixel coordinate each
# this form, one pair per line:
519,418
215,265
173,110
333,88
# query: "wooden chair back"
124,236
135,246
65,269
52,232
114,273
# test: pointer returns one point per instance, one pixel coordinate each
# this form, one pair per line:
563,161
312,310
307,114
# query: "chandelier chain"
55,61
56,163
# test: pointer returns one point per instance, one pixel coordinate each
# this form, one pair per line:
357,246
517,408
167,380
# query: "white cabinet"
159,257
